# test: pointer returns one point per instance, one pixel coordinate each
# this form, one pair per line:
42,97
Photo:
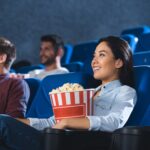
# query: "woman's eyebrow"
102,51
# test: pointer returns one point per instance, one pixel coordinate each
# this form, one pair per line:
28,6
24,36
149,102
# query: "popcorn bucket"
72,104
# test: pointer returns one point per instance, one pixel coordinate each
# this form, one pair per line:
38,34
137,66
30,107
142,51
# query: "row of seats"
76,57
41,106
138,38
140,58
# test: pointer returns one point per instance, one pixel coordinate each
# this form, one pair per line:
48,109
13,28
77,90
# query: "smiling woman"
113,60
115,98
113,101
104,64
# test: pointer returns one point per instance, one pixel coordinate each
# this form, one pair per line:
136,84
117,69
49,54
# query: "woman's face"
105,66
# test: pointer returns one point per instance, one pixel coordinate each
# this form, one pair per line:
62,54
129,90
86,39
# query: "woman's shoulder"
127,89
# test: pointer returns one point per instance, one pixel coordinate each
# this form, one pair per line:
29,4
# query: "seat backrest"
137,31
141,58
68,49
131,39
143,43
142,86
81,51
26,69
33,84
41,106
74,66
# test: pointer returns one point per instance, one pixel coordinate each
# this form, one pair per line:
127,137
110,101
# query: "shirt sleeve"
34,73
118,114
40,124
17,99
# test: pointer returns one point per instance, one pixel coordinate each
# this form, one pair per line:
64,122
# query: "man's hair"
56,41
8,48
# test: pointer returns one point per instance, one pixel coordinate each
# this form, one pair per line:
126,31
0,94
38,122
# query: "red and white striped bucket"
72,104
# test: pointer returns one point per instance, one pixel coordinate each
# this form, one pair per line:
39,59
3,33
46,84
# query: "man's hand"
18,75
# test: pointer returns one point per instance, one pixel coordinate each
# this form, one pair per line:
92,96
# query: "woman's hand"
73,123
61,125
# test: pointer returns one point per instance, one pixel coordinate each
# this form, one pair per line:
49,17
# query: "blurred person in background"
14,93
51,52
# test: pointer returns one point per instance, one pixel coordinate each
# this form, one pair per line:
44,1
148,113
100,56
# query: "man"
51,52
14,93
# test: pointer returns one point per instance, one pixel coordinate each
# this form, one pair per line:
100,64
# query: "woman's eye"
101,55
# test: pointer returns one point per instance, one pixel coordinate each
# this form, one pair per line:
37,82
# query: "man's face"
47,53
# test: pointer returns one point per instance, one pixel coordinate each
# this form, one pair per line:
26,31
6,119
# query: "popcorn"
71,101
68,87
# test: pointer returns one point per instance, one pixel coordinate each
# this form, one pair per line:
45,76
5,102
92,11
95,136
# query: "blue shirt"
112,108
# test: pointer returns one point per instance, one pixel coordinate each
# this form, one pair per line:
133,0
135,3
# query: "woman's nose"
94,61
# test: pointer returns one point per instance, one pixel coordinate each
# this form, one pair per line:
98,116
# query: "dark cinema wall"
24,21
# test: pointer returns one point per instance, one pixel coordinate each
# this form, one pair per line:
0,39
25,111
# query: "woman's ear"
3,58
118,63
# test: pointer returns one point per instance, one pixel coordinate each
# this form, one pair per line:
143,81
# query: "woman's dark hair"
121,50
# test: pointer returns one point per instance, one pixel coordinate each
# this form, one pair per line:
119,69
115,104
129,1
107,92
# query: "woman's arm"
116,117
76,123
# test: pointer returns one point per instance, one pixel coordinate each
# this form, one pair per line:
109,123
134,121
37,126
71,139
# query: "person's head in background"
51,51
113,60
7,55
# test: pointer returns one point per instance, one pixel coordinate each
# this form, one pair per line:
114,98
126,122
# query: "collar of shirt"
108,86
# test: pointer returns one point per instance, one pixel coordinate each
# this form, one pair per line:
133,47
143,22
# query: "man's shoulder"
63,69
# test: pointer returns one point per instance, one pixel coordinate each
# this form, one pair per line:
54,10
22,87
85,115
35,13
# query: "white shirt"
112,108
41,73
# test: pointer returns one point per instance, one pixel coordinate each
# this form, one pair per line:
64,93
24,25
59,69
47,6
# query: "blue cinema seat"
74,66
143,43
141,58
33,84
132,41
81,51
68,49
136,31
41,106
26,69
142,86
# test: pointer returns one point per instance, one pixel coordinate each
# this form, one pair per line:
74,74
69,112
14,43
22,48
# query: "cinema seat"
68,49
143,44
81,51
136,31
41,105
33,84
26,69
141,58
132,41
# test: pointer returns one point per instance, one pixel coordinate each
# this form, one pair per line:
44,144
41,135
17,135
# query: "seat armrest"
57,139
131,138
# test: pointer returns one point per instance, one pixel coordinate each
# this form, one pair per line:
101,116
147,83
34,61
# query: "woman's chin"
97,77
